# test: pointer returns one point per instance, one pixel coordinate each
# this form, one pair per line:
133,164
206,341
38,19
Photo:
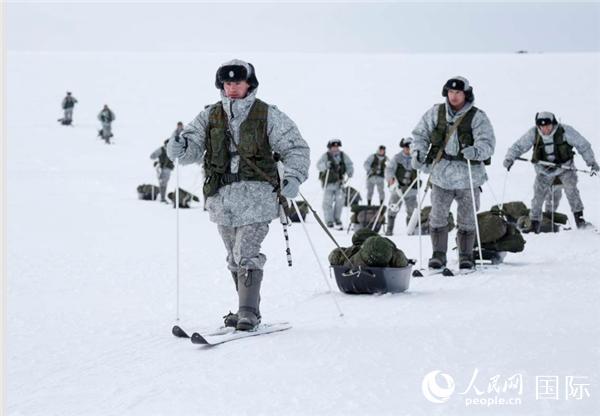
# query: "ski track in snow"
91,269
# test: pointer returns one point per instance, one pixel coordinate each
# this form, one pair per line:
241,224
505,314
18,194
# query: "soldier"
449,136
400,175
164,166
236,138
106,117
333,168
375,167
553,142
68,104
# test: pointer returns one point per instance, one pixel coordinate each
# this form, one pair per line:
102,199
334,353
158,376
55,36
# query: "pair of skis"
226,334
444,271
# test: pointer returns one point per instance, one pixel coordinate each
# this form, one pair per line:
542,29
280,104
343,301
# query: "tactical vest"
377,166
164,161
254,146
464,133
69,102
563,151
106,116
336,172
402,177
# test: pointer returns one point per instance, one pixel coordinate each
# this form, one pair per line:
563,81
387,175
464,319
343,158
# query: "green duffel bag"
356,260
398,259
376,251
361,235
559,218
492,227
512,210
425,212
336,257
513,242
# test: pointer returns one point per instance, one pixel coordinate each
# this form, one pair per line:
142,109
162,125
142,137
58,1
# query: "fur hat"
461,84
543,118
334,142
236,70
405,142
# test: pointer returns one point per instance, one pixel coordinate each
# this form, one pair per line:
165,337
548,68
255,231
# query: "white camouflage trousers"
243,245
551,205
333,202
373,181
163,180
541,188
441,199
68,114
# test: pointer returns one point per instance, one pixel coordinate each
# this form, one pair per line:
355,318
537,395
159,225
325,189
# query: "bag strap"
449,133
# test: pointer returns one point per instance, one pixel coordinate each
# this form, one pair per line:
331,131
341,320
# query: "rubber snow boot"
329,225
249,282
465,241
579,221
389,229
536,226
338,225
439,243
368,202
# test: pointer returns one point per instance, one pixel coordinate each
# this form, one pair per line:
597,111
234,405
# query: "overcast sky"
376,27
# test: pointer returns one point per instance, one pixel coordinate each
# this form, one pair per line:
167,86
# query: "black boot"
389,230
579,221
368,202
439,243
465,242
249,282
536,226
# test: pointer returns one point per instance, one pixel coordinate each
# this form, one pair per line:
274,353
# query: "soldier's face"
547,129
381,152
406,150
237,89
334,149
456,98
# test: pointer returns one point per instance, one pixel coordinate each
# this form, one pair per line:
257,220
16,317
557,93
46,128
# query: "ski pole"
475,211
341,313
552,207
418,179
177,233
283,216
503,191
556,165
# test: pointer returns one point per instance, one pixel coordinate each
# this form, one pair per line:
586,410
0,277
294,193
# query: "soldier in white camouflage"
106,117
334,167
164,165
68,104
235,139
471,141
553,142
400,174
375,168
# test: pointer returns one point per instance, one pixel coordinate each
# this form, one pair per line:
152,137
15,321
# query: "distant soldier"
106,117
400,175
333,167
375,167
68,103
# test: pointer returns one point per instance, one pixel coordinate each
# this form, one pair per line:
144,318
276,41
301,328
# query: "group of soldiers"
453,142
106,116
245,188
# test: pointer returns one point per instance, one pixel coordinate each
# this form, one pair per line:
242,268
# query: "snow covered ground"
91,272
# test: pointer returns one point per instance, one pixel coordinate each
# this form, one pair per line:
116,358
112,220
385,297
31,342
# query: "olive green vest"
563,151
464,133
377,166
401,171
336,172
254,145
